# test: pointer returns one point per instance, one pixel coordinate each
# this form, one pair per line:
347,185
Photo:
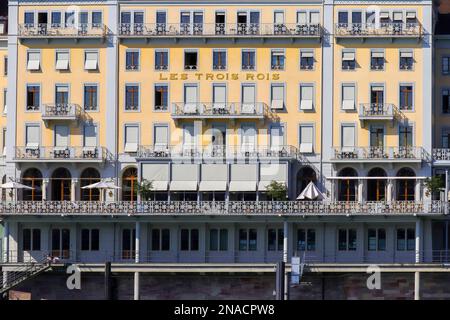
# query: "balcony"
218,152
377,111
219,208
53,31
61,111
60,154
378,30
441,156
378,154
202,110
220,30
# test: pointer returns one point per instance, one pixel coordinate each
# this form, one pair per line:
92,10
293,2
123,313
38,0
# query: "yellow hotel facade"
211,102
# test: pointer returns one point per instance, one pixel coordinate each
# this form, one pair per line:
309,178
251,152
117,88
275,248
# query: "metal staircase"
11,279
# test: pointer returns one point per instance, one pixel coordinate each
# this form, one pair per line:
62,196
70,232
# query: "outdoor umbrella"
14,186
311,192
101,185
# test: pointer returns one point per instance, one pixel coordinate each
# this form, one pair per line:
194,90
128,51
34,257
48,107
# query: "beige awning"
213,186
183,186
242,186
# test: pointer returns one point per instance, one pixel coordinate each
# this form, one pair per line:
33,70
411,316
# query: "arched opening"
33,178
376,188
347,187
129,185
405,187
89,176
61,180
304,176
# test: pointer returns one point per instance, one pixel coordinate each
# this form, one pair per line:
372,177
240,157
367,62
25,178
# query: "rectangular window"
219,59
406,97
377,60
97,19
33,60
62,60
347,240
275,239
56,19
131,97
91,60
90,97
277,59
161,60
306,138
29,18
406,239
248,97
5,97
189,240
446,101
161,136
348,97
161,97
306,240
90,239
348,60
306,60
90,135
248,60
61,95
445,65
343,18
247,240
277,96
33,97
61,136
5,65
405,136
131,138
347,138
32,136
406,60
218,239
160,239
31,239
306,97
132,60
376,239
445,138
190,60
219,98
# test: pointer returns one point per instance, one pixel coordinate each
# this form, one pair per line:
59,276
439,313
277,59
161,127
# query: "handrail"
36,30
379,153
394,29
60,153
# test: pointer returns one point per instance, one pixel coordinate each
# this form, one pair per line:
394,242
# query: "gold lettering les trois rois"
220,76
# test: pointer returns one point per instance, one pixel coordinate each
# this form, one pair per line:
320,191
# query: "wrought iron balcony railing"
218,151
61,111
219,110
379,153
235,208
377,111
80,154
61,30
441,154
220,30
394,29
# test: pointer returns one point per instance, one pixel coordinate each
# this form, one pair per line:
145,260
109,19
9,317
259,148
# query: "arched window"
347,187
32,178
405,187
89,176
129,184
304,176
376,188
61,181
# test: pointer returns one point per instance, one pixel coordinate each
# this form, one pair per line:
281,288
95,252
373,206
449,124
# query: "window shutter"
348,97
348,137
348,56
277,97
90,136
306,97
32,136
62,60
314,18
190,94
61,136
279,18
248,94
131,138
398,16
302,17
219,94
34,61
91,62
189,135
306,139
276,136
161,134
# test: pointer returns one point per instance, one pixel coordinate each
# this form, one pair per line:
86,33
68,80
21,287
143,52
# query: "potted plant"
145,189
277,191
433,186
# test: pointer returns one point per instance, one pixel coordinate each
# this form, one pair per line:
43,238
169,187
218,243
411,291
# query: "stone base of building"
329,286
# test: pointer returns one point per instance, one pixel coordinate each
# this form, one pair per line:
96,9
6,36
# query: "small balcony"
48,30
377,111
61,111
378,154
202,110
441,156
60,154
218,152
220,30
378,30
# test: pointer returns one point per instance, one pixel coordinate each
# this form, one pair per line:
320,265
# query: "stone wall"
222,287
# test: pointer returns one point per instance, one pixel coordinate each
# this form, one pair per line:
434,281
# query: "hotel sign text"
219,76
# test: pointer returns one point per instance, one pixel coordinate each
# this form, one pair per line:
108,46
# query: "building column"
417,190
389,190
73,189
137,241
361,183
417,285
419,227
136,286
45,183
285,258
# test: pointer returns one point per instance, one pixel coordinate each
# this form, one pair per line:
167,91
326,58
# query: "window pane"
223,240
26,239
252,240
301,240
85,239
213,239
184,239
155,240
381,239
411,239
352,239
401,239
243,239
165,240
194,239
95,239
342,240
271,239
280,239
36,239
311,240
372,240
126,241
